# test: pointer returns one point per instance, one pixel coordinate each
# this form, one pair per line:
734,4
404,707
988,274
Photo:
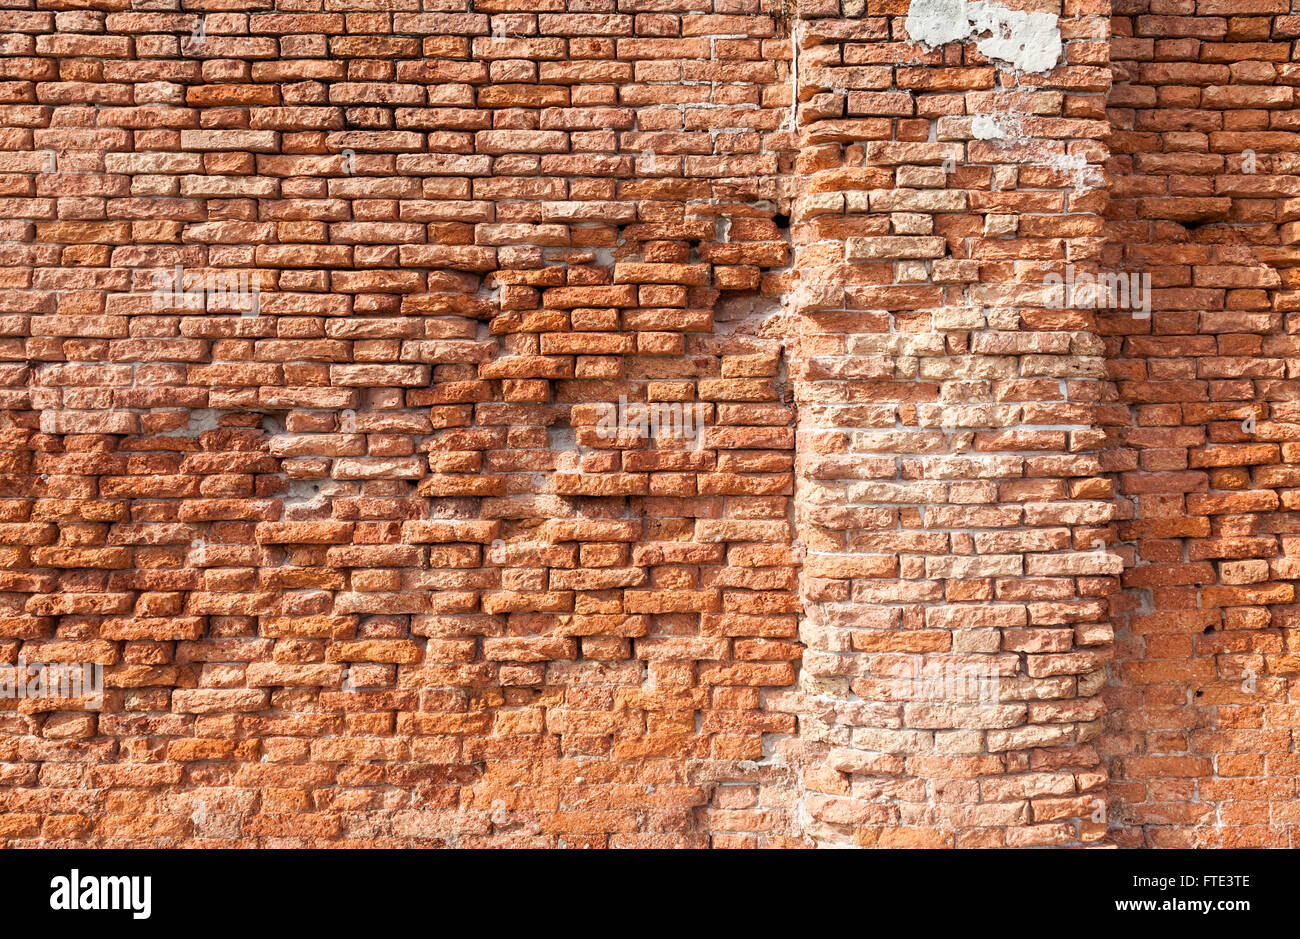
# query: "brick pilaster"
949,498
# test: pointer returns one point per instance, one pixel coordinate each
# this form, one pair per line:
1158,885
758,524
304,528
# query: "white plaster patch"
1006,126
938,22
1068,162
984,127
1028,42
1031,42
1083,175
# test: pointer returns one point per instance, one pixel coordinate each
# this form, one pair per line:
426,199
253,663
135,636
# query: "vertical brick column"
949,498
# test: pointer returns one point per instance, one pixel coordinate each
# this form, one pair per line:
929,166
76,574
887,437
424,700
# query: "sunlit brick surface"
648,422
1204,196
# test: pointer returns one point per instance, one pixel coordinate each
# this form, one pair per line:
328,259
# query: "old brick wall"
363,563
358,563
1205,154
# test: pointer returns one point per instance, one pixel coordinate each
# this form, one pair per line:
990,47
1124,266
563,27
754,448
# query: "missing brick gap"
746,313
303,492
198,421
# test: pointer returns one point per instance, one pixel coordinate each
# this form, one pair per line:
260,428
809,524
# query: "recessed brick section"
359,559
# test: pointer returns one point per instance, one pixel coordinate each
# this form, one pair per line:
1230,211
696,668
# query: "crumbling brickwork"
358,561
662,423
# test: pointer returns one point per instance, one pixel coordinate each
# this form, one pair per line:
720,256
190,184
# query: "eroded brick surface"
361,564
950,493
371,542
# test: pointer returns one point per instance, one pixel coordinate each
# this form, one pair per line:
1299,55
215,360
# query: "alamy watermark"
656,419
61,680
207,290
1104,290
77,891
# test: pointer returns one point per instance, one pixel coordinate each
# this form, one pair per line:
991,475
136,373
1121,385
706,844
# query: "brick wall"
371,532
1204,199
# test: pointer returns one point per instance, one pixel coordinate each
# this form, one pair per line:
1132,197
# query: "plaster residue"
1084,176
1028,42
1004,126
984,127
1008,128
